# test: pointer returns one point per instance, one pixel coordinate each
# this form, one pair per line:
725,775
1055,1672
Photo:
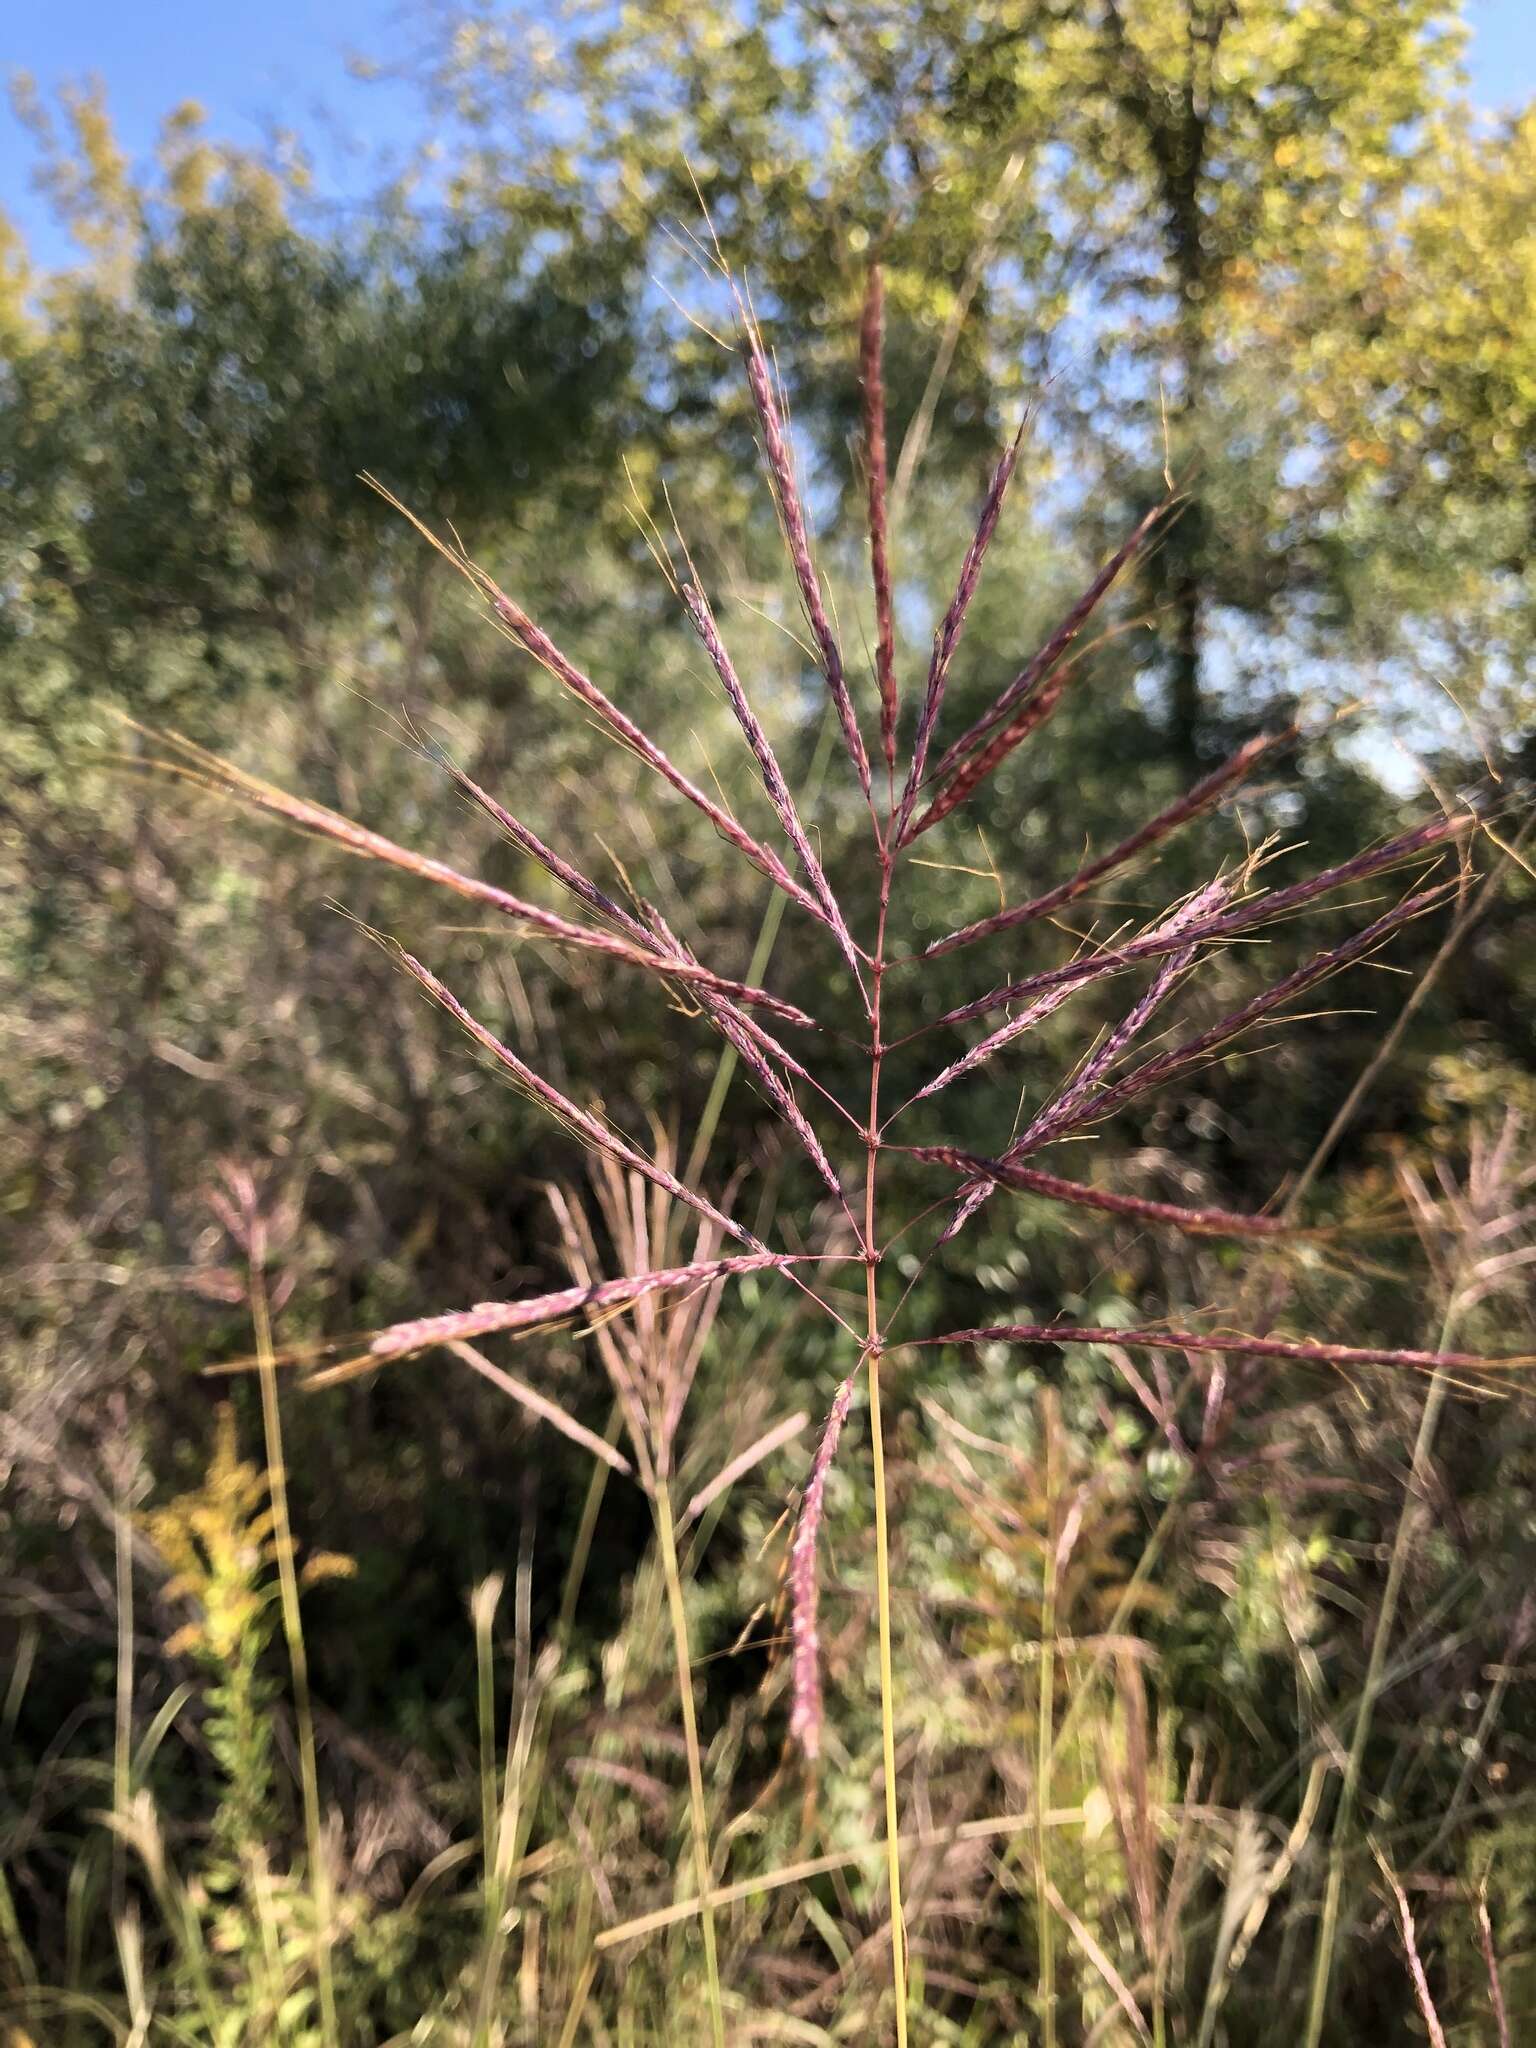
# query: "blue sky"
285,61
252,67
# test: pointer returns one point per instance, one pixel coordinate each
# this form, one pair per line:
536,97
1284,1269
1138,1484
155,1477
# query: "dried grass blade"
1426,2003
941,1840
540,1405
770,1441
1096,1955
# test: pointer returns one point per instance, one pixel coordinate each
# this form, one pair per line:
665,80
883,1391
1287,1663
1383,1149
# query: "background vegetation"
1264,244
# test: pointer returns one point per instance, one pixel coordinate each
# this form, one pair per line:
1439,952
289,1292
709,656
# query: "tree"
1097,190
1418,405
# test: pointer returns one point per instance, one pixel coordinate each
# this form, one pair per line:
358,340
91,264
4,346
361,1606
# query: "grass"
663,1242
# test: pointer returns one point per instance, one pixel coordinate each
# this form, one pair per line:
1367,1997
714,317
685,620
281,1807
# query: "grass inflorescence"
683,1240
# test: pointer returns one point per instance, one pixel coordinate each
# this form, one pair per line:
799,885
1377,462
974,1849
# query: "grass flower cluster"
887,1170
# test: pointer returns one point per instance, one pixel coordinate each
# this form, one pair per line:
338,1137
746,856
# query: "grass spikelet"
872,386
1195,801
947,638
1041,664
1303,1350
781,472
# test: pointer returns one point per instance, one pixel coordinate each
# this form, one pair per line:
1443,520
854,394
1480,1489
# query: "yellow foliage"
218,1541
15,282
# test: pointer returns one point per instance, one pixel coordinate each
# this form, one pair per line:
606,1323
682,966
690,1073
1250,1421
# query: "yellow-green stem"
586,1528
877,1450
298,1661
700,1830
122,1742
887,1701
483,1612
1343,1820
1044,1740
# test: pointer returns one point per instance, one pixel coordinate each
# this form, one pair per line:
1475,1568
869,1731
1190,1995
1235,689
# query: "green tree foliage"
1416,406
1111,195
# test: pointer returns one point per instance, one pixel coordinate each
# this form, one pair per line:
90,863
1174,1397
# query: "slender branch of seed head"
1243,917
1163,1067
1304,1350
536,642
698,609
782,1100
586,1126
1031,1181
608,1333
538,1404
1035,708
872,384
1061,1114
766,1052
1033,713
489,1318
951,627
1054,648
774,1050
223,779
1028,1019
781,473
596,900
1202,796
805,1717
527,841
1051,1000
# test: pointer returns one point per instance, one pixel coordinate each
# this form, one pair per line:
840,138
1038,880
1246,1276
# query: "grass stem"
666,1535
298,1660
877,1449
1344,1816
887,1705
1045,1734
